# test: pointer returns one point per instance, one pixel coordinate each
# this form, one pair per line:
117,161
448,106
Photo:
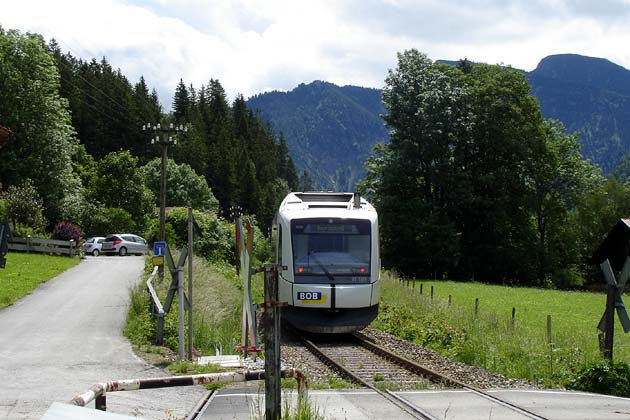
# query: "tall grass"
490,340
24,272
217,309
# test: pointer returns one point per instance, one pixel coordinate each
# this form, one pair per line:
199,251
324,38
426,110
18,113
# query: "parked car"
93,245
124,243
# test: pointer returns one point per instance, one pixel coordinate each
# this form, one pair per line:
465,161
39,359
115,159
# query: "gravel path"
67,336
295,355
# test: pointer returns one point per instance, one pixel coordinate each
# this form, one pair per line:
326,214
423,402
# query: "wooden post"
181,305
421,287
513,318
609,331
449,300
476,307
159,336
190,283
549,329
272,344
431,293
100,403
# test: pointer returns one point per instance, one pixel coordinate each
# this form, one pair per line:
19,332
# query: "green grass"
24,272
217,306
489,340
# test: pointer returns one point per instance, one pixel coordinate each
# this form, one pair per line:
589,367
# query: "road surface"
67,335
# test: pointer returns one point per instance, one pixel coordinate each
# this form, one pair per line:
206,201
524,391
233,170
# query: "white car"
125,243
93,245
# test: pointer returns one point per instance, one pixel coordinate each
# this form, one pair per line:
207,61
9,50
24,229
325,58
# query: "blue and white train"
328,244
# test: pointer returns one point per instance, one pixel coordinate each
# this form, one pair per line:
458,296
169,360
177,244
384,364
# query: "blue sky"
254,46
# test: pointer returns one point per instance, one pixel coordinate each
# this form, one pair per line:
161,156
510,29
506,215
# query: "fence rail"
47,246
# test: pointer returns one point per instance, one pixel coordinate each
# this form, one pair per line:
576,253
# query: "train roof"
326,204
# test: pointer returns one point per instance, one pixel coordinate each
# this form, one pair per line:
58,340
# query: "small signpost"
5,238
158,248
158,253
612,256
614,302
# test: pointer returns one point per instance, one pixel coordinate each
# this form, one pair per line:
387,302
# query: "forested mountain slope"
330,129
590,96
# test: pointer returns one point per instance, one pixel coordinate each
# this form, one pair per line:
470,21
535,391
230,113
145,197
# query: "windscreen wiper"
319,263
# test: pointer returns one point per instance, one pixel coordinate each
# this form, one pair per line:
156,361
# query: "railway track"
367,364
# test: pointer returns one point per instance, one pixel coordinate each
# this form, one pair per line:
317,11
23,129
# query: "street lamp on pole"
163,139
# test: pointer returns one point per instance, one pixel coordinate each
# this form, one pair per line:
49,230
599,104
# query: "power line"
79,76
98,110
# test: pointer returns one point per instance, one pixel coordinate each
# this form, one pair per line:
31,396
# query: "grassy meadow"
489,340
24,272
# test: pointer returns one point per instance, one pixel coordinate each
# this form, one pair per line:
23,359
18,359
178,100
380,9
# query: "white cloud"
255,45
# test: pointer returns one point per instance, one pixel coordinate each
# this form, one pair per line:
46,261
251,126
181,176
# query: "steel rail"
440,377
402,403
201,406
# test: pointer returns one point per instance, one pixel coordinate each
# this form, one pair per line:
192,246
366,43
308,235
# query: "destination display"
333,228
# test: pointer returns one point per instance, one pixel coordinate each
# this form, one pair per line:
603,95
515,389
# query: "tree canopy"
43,142
475,184
77,134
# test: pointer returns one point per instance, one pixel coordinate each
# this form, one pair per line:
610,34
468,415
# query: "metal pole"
272,344
180,288
610,321
164,145
190,283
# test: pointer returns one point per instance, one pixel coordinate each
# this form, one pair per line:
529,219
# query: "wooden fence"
47,246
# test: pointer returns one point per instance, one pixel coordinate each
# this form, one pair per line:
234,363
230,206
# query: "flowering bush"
65,231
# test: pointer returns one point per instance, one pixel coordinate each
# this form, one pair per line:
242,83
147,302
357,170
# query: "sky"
254,46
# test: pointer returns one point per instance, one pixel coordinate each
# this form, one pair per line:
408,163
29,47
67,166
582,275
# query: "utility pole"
164,139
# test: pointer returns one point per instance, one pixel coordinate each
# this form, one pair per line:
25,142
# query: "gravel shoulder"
295,355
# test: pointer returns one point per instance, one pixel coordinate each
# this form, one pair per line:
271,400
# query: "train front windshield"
329,250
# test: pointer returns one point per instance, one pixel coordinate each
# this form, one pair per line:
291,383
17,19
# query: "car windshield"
331,247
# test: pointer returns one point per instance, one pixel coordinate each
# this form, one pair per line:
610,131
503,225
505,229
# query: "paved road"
67,335
359,404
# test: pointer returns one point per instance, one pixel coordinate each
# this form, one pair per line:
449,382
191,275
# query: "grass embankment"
217,301
489,340
24,272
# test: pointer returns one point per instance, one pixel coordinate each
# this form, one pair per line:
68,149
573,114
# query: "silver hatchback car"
93,245
125,243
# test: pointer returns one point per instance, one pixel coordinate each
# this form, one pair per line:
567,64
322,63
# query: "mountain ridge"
331,129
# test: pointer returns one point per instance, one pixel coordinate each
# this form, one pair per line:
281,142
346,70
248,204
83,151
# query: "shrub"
568,277
24,208
65,231
216,241
152,233
109,220
604,377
